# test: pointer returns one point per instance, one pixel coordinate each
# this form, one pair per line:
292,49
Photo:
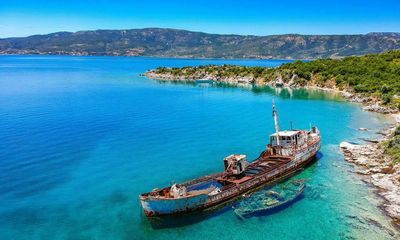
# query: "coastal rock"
293,80
390,190
379,108
370,104
347,95
348,146
383,174
279,81
396,117
360,154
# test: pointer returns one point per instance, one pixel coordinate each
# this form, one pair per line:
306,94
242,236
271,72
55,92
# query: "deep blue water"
82,137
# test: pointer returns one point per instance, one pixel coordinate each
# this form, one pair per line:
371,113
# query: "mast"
275,116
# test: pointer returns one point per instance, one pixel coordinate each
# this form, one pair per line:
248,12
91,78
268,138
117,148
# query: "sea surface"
82,137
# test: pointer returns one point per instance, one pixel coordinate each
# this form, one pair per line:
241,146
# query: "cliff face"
181,43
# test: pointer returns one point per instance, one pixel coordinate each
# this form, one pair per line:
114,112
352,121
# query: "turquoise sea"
82,137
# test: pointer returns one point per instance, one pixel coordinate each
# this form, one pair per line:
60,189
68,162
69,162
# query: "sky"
20,18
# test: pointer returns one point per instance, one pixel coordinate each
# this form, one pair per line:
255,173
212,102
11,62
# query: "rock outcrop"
383,174
249,80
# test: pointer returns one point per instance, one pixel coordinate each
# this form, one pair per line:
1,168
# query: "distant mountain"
181,43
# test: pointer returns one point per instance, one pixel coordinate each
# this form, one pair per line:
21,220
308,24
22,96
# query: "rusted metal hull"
156,206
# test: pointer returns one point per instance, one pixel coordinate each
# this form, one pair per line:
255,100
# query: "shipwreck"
287,153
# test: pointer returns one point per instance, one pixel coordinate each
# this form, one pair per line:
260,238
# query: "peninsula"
373,80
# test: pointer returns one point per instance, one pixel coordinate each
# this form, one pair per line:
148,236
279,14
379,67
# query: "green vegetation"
216,71
375,75
392,146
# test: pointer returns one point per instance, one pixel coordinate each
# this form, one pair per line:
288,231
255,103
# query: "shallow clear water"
82,137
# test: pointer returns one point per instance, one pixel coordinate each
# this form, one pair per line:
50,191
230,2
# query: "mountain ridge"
168,42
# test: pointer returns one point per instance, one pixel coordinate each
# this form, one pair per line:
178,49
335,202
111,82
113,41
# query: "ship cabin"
235,164
286,142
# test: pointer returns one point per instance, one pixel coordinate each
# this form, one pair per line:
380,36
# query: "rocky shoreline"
369,103
371,161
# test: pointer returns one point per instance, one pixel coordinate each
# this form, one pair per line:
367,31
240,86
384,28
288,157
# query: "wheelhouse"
285,142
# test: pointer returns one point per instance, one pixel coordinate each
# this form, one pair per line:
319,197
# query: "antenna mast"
275,115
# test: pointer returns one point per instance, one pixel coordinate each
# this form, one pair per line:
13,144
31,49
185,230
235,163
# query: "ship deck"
262,165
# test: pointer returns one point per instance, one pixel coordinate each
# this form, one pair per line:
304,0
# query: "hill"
180,43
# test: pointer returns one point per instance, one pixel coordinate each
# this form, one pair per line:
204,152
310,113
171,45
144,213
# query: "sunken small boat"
270,200
287,153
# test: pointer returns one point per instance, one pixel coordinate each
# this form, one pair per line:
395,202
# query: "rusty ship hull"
211,191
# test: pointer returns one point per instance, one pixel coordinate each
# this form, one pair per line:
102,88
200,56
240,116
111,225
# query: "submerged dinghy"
270,200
